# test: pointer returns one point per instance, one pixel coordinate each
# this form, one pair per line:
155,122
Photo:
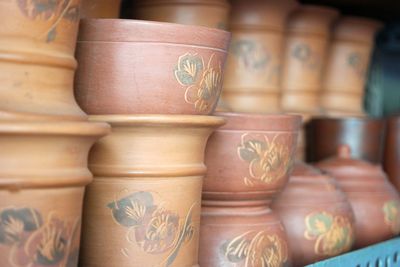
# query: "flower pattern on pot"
251,54
358,63
152,227
35,242
50,10
333,234
306,56
256,249
391,210
268,160
203,83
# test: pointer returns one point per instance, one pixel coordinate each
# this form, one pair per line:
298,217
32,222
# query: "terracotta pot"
43,174
305,56
143,208
249,158
349,56
253,68
242,237
209,13
36,63
375,202
146,68
391,159
364,135
309,201
100,8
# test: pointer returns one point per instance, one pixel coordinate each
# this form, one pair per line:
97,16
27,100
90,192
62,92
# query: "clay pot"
309,201
391,159
37,63
375,202
138,67
304,58
249,158
209,13
364,135
143,208
252,77
100,8
349,56
43,174
242,237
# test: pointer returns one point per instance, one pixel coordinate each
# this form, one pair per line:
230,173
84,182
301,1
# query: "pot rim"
261,122
129,30
73,128
153,120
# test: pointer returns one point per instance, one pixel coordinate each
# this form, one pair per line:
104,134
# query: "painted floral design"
33,241
152,227
358,63
304,54
203,82
256,249
391,210
333,235
251,55
269,160
50,10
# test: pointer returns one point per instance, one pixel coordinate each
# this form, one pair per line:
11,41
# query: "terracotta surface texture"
391,159
100,8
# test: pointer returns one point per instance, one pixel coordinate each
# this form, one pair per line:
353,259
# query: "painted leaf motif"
237,249
251,150
188,69
43,9
319,224
72,13
252,55
302,52
391,211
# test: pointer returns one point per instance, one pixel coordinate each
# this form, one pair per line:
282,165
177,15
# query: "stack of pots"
349,56
156,84
253,69
44,135
249,161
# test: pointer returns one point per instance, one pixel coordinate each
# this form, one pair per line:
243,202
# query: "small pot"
311,200
43,175
391,159
349,57
249,159
100,8
375,202
242,237
252,77
209,13
364,135
143,208
37,61
305,56
138,67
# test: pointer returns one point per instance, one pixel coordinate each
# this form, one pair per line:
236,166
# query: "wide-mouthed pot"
43,173
375,201
364,135
347,65
242,237
209,13
253,70
139,67
391,158
304,58
249,159
317,216
37,64
143,207
100,8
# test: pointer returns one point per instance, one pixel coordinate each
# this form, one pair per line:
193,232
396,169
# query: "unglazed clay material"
209,13
349,56
364,135
305,56
249,159
37,64
253,68
143,208
375,202
317,216
242,237
100,8
391,159
138,67
43,174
